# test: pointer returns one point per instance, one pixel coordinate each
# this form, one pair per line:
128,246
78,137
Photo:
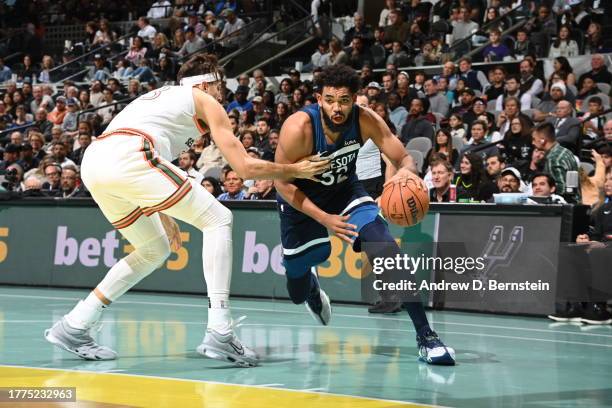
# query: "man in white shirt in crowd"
230,34
146,30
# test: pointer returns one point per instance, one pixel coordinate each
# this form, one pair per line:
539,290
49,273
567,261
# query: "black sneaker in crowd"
596,313
386,307
570,312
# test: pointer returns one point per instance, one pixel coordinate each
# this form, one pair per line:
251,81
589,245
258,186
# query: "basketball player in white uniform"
129,173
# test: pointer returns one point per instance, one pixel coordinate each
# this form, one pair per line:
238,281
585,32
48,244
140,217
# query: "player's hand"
172,231
309,167
404,174
338,225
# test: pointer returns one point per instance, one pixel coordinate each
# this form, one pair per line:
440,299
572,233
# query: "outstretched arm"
213,114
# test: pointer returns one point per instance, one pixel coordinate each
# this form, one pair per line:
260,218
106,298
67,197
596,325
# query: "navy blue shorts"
301,234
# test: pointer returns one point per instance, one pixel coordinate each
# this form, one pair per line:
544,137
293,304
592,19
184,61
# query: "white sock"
219,318
86,313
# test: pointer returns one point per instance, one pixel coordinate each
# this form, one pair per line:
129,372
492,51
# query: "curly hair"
339,76
198,65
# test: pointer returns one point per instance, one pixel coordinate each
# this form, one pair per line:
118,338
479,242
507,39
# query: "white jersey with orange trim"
166,115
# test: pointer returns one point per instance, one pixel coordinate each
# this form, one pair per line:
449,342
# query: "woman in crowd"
456,127
516,144
282,113
28,70
471,180
286,92
212,185
47,66
443,144
563,46
297,100
247,138
562,64
591,188
160,42
382,111
137,51
105,35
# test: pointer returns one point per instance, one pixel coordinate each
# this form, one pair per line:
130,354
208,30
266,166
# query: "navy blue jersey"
343,155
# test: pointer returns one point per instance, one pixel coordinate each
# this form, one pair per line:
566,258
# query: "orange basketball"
404,203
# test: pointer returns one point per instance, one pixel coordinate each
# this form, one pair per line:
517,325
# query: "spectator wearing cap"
398,55
258,107
509,180
473,79
231,35
27,160
146,30
417,125
373,91
99,71
466,98
10,155
160,9
548,106
360,29
56,116
438,102
557,160
241,103
192,43
69,124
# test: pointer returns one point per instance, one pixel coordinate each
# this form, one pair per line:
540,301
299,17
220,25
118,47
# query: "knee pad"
149,255
299,265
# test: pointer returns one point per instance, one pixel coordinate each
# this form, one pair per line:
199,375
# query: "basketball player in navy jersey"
336,128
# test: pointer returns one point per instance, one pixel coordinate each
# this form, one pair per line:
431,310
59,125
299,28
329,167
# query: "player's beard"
334,127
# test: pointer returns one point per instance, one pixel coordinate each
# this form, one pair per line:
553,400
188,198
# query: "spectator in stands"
10,155
466,99
478,109
358,54
397,29
561,64
286,91
543,185
437,101
192,43
547,107
137,51
563,46
523,46
587,88
496,50
194,21
373,91
509,180
318,58
513,90
95,93
56,116
107,112
398,114
417,125
444,145
593,128
516,143
599,72
212,185
247,138
594,40
52,172
529,84
231,34
37,141
186,162
558,160
336,54
477,143
464,27
406,93
84,142
178,40
263,190
143,73
471,179
378,50
160,45
99,71
494,164
473,79
27,161
70,184
359,29
241,103
441,176
146,31
160,9
21,117
383,19
567,128
398,55
233,186
269,149
5,71
134,90
47,65
511,110
27,70
59,155
105,35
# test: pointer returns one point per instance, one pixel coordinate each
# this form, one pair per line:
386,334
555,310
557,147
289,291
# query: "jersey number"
335,176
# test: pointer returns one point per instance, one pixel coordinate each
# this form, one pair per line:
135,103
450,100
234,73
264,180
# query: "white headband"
198,79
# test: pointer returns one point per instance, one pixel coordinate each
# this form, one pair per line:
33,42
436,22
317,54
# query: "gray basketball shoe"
227,347
77,341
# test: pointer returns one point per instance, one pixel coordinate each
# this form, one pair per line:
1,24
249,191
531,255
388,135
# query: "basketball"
404,203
